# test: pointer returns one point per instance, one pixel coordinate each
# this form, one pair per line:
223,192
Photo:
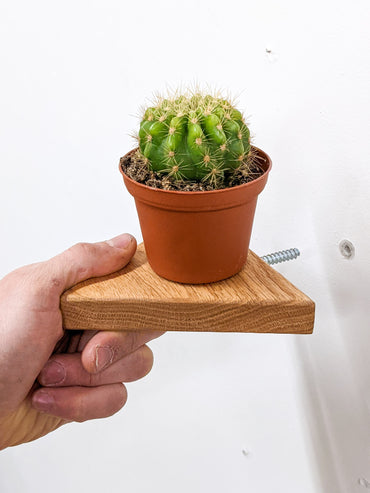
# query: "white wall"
72,76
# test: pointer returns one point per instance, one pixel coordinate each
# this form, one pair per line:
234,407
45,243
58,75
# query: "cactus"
194,137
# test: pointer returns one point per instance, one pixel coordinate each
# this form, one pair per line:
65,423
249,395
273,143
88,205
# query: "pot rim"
199,192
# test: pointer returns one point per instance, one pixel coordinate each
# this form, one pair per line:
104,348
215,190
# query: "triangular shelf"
258,299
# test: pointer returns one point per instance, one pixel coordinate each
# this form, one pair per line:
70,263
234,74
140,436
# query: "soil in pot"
135,168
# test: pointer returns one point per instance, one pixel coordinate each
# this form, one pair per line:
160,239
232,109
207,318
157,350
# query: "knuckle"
79,247
83,249
78,254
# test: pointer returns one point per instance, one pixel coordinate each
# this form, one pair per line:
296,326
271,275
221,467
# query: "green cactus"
194,137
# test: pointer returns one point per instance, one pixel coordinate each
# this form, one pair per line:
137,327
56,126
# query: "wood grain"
258,299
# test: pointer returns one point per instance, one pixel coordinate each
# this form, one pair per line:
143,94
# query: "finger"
85,337
66,370
107,347
85,260
74,341
80,403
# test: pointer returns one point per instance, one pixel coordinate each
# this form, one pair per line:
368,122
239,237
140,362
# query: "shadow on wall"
334,363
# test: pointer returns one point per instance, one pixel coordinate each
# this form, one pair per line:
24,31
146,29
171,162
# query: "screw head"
347,249
364,482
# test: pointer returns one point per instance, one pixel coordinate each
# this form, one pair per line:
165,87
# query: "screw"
283,256
347,249
364,482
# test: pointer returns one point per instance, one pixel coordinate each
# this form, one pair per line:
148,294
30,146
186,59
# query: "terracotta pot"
197,237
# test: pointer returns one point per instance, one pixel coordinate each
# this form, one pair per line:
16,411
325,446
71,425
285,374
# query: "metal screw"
364,482
283,256
347,249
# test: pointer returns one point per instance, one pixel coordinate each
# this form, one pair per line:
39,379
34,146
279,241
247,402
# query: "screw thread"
282,256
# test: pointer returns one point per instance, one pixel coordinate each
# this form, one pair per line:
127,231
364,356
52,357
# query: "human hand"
49,376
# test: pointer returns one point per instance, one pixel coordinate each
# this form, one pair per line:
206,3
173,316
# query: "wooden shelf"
258,299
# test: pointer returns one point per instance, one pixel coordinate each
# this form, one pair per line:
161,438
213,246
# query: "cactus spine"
194,137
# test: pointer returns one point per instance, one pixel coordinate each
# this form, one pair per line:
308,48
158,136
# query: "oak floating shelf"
258,299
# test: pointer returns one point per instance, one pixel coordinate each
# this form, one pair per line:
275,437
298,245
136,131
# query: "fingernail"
42,401
52,373
103,357
121,241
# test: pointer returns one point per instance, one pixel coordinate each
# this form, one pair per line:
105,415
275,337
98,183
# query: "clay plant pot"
197,237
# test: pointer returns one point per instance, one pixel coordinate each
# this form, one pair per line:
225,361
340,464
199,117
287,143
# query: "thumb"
85,260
